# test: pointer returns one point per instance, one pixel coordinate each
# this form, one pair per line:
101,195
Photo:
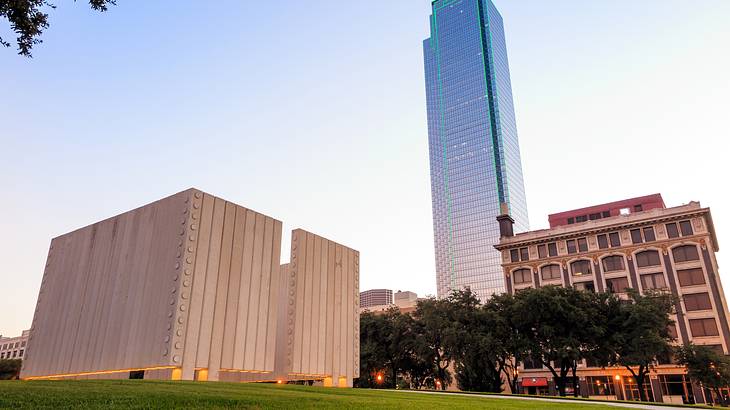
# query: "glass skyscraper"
473,145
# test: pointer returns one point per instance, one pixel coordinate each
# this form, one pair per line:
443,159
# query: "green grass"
140,394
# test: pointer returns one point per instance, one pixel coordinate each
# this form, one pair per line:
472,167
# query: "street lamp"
379,378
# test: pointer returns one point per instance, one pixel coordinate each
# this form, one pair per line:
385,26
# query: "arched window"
522,276
550,272
581,267
613,263
647,258
686,253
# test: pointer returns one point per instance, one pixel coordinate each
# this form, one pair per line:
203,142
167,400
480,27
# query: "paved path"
556,400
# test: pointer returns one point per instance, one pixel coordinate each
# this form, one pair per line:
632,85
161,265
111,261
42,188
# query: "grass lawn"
112,394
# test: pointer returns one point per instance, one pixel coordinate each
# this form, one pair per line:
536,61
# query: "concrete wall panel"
191,286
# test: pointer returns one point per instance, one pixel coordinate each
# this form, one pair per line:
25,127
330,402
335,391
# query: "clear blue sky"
314,113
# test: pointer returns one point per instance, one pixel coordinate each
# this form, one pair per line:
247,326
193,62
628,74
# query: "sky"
314,113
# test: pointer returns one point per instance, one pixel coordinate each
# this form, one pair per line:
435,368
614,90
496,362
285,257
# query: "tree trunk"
559,379
576,385
720,397
442,376
640,384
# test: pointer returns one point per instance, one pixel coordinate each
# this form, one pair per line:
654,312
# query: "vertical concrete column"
583,387
618,388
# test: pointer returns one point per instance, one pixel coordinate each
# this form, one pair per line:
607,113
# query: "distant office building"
473,144
405,298
190,287
13,347
405,301
376,297
641,245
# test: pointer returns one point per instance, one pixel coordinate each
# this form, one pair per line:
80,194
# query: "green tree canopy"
28,19
561,326
641,334
706,366
10,368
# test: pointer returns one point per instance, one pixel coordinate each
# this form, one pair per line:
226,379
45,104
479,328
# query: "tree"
28,20
400,344
498,347
473,344
386,348
706,366
373,352
642,334
560,326
436,336
10,369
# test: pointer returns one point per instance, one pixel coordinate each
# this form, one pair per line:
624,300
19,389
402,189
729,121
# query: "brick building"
640,244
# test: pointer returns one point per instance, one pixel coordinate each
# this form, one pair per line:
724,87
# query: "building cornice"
610,225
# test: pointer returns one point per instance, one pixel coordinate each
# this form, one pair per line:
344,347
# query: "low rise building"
405,301
13,347
639,244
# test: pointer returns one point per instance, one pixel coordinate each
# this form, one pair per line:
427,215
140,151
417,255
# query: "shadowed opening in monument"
136,375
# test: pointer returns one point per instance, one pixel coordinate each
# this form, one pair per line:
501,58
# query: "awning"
534,382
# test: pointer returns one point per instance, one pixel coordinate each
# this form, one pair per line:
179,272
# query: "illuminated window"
581,267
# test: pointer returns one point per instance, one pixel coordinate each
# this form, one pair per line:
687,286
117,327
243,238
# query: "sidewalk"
647,406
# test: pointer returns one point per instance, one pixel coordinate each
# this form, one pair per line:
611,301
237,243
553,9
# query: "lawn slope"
111,394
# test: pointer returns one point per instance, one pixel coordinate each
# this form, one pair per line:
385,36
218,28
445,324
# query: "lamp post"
621,387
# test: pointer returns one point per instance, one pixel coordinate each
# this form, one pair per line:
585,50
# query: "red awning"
534,382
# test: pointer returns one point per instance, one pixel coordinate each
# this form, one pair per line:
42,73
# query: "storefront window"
677,385
600,386
631,389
